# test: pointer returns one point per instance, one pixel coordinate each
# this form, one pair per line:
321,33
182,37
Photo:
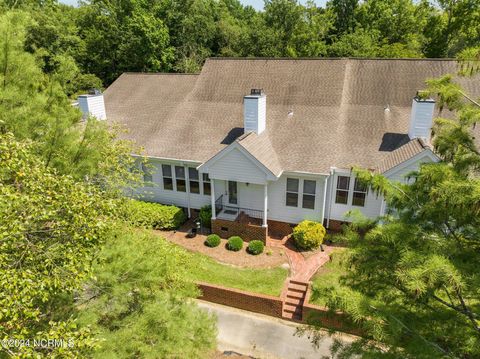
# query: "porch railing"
238,211
219,204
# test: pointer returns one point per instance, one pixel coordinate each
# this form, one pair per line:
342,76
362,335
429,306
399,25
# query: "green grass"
328,276
265,281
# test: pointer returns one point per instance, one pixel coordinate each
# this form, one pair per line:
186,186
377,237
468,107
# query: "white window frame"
293,192
170,177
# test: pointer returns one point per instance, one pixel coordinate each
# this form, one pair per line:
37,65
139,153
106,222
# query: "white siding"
254,113
236,166
421,118
92,105
277,209
157,193
372,206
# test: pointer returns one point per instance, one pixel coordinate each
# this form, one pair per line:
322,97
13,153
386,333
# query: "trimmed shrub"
309,234
255,247
205,216
152,215
213,240
235,243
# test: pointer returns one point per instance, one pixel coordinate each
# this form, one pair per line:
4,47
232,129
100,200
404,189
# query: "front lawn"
328,277
265,281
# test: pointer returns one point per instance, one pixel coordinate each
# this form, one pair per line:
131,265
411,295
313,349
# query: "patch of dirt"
270,258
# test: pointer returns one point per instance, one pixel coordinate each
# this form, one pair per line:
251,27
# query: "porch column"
265,205
212,192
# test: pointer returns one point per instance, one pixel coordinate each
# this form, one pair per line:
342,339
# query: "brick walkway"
301,268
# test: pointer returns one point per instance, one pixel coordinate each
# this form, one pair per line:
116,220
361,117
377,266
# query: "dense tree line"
100,39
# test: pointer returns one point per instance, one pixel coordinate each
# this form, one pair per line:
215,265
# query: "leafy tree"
34,106
123,36
52,36
50,228
413,282
452,27
344,12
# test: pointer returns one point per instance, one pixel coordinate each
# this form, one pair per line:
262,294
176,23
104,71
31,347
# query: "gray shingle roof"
338,105
260,147
400,155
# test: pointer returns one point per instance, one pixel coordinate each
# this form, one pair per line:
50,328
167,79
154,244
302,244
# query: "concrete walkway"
261,336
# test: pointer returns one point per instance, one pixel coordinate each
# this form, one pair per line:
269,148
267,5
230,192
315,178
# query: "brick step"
303,284
296,288
291,308
297,315
292,316
294,301
295,295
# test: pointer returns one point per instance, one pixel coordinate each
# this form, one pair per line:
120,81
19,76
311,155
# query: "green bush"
213,240
235,243
255,247
152,215
205,216
309,234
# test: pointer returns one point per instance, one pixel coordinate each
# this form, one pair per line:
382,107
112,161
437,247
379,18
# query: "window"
206,184
194,180
167,177
292,192
359,194
343,185
309,194
147,175
180,177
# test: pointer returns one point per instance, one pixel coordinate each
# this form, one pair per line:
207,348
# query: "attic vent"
258,92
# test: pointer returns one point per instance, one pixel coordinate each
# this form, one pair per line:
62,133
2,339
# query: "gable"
399,172
235,164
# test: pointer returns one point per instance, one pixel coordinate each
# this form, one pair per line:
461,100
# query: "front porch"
230,220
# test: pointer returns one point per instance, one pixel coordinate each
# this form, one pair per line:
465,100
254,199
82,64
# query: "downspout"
187,185
332,175
325,184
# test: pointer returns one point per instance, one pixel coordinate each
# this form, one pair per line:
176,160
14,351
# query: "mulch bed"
274,258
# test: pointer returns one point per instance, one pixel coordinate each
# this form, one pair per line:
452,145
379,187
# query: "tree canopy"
98,40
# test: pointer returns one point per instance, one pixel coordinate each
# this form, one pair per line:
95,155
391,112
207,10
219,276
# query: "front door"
232,192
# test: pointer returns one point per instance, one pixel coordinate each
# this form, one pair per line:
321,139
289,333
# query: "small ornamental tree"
309,234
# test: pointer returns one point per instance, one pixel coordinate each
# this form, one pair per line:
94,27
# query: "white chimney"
421,118
92,105
255,111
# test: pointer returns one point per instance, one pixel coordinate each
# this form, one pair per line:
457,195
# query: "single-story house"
271,142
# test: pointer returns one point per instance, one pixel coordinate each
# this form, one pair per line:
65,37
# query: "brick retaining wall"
273,306
253,302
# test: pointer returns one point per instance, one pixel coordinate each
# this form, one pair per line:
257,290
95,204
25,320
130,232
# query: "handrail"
219,204
250,212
